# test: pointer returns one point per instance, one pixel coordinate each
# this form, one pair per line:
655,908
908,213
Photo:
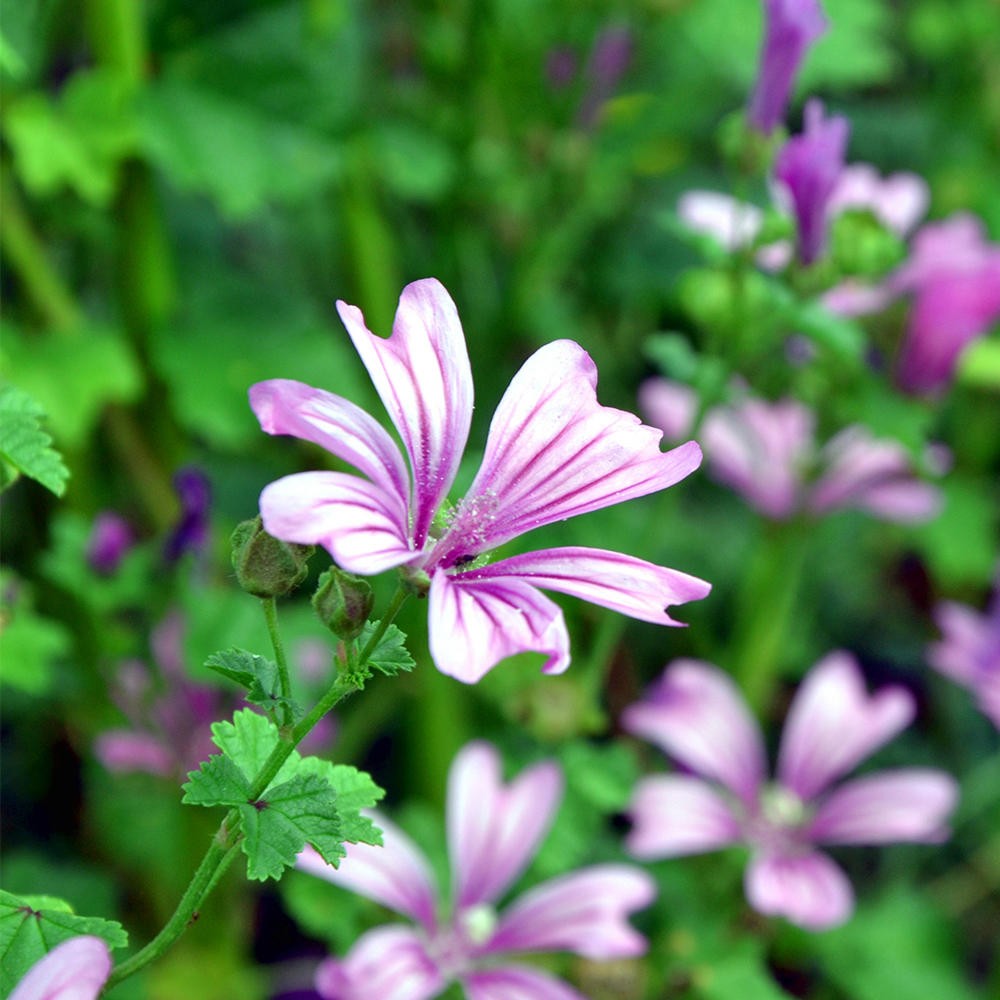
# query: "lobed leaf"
24,446
390,655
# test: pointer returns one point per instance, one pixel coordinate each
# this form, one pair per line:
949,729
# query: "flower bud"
343,602
265,566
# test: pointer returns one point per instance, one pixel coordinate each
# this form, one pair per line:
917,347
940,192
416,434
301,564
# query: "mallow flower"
494,830
76,969
552,452
767,452
969,651
697,715
790,28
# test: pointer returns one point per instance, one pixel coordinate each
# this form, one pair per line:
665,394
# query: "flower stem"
270,606
226,842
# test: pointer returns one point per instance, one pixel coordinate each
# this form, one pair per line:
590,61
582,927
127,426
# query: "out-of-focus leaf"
326,911
741,973
72,376
842,336
213,145
11,61
24,446
414,163
32,926
76,142
898,947
603,775
29,643
980,364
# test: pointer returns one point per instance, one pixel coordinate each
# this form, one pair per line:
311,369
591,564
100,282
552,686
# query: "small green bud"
343,602
265,566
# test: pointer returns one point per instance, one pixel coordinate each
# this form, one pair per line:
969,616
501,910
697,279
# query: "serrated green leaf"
248,740
218,782
27,933
355,791
302,810
23,443
390,655
256,673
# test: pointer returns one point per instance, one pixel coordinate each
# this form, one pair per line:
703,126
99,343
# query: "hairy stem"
270,606
226,841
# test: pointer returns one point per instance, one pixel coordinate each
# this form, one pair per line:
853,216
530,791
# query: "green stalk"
226,841
270,606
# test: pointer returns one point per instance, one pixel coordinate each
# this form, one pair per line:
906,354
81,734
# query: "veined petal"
623,583
390,963
903,804
284,406
474,624
495,829
423,375
77,969
833,724
696,714
553,452
359,524
585,912
809,890
396,875
517,982
674,815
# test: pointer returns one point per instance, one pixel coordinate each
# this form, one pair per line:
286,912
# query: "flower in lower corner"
77,969
494,830
553,452
697,715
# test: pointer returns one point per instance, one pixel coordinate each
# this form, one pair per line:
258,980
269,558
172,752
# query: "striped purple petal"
517,982
808,889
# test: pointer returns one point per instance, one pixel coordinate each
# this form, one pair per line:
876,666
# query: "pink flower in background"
494,830
969,651
552,452
77,969
809,166
791,27
609,60
671,406
765,451
110,538
899,201
697,715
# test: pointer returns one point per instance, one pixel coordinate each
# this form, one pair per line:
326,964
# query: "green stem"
227,839
270,606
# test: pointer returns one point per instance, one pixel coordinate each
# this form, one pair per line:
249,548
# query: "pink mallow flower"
552,452
766,451
77,969
494,830
696,714
969,651
791,28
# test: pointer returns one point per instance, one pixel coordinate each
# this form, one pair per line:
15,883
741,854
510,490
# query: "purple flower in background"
791,27
552,452
809,165
560,67
110,538
191,531
765,450
76,969
671,406
697,715
969,651
171,727
609,59
953,274
494,830
899,201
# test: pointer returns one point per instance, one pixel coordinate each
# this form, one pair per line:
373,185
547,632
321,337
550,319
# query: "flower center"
780,807
478,923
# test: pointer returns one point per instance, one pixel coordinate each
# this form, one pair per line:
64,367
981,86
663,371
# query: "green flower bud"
265,566
343,602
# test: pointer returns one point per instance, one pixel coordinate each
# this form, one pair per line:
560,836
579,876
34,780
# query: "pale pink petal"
674,815
671,406
286,407
517,982
359,524
623,583
126,750
553,452
759,448
904,501
899,202
807,889
696,714
775,256
970,643
833,724
387,963
904,804
853,298
423,375
585,911
733,223
77,969
495,829
396,875
474,624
